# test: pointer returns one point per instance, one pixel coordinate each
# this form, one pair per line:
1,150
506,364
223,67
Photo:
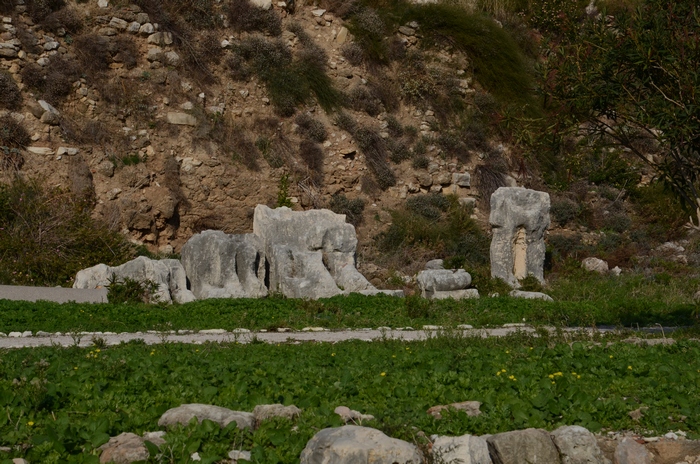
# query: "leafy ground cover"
580,300
60,404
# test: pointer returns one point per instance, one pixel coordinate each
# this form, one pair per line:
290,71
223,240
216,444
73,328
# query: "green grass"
580,301
59,404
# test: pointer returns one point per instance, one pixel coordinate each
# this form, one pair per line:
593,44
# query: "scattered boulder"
519,218
435,264
595,265
628,451
577,445
183,415
456,294
263,412
350,415
167,274
180,119
352,444
124,449
530,295
462,179
221,265
532,446
466,449
472,408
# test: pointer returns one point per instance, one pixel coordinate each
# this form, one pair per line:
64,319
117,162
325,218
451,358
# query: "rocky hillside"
169,118
172,129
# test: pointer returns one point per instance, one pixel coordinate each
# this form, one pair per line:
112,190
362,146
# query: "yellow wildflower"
30,423
383,374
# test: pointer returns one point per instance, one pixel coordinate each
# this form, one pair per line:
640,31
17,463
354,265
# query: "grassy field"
61,404
580,300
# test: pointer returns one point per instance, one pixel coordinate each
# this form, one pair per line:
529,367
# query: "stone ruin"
298,254
519,219
167,274
437,283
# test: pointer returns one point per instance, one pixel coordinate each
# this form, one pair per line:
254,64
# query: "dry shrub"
26,37
353,53
236,64
66,18
346,122
245,17
489,177
53,82
311,128
128,51
10,95
361,99
383,89
93,52
375,150
81,185
312,155
39,9
7,7
351,208
12,133
341,8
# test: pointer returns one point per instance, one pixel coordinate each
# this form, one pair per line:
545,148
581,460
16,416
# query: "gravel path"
56,294
18,340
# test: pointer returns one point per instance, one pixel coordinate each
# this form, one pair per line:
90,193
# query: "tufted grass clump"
290,81
12,133
376,153
311,128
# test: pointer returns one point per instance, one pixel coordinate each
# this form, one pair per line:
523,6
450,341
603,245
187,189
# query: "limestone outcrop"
519,218
168,275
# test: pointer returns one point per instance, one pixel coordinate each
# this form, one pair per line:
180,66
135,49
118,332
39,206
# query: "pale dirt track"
152,337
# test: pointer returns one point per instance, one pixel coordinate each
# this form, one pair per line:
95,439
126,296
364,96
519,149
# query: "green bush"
432,226
564,210
430,206
289,82
352,209
130,291
498,63
46,236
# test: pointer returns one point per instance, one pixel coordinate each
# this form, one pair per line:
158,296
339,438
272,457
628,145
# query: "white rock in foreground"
351,444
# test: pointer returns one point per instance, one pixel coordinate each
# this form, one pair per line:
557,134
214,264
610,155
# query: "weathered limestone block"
532,446
466,449
577,445
519,219
311,254
442,280
221,265
183,414
167,274
352,444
